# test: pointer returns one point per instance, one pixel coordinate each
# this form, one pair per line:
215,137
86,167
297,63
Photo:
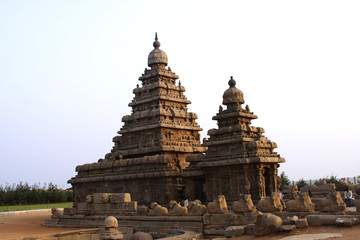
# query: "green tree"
301,183
285,181
331,179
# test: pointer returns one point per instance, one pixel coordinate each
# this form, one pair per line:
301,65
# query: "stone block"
81,207
301,223
95,236
223,220
287,228
119,207
249,229
322,220
358,205
69,211
120,198
234,231
131,206
213,231
51,222
267,223
346,222
142,210
100,197
99,207
192,226
290,220
108,207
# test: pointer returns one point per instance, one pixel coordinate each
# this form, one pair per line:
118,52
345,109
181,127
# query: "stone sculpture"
197,209
267,223
175,209
244,205
89,198
218,205
110,231
157,210
301,204
333,203
56,213
271,203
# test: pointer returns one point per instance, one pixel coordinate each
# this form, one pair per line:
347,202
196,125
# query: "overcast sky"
68,68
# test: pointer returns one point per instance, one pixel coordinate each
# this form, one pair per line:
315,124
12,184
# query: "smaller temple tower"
239,159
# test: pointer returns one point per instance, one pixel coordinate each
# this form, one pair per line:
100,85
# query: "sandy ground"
30,224
27,224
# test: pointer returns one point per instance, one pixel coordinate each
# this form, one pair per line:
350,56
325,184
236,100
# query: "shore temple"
157,155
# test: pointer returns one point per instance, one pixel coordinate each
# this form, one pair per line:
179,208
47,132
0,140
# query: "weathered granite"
149,154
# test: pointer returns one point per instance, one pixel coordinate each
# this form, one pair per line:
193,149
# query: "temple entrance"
267,183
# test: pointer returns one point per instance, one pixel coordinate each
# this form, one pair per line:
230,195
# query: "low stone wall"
159,224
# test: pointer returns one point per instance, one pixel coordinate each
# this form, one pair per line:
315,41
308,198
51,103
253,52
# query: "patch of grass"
35,206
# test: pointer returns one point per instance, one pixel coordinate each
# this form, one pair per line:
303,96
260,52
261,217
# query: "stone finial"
156,44
110,231
232,82
233,95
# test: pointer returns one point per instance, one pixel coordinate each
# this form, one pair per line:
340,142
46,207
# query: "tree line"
285,181
23,193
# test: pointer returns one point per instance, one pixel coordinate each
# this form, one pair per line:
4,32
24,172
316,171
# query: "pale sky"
68,68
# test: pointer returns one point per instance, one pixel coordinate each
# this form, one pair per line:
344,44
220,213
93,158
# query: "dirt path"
352,233
27,224
30,224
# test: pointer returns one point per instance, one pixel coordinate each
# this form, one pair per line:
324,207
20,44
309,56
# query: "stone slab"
120,198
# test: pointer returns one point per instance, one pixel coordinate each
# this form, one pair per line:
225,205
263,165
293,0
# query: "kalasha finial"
156,44
232,82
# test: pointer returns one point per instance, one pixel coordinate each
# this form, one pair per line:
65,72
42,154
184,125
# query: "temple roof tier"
239,161
174,98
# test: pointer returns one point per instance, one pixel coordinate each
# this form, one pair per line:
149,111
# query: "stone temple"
158,156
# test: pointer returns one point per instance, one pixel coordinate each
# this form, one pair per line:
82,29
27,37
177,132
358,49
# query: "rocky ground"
30,224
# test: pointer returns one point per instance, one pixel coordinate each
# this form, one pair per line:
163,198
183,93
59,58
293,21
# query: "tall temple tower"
239,159
150,153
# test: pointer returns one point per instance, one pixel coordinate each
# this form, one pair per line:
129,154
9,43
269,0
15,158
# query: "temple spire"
156,44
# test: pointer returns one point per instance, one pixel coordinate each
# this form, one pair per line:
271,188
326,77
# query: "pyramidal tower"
150,152
240,159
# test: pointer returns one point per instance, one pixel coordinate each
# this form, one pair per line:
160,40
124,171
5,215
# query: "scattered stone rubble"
215,220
